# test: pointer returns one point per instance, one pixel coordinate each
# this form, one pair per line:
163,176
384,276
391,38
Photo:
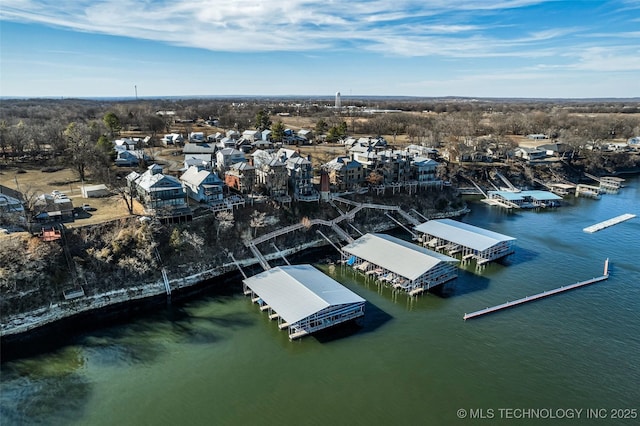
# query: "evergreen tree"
321,127
112,122
277,131
263,121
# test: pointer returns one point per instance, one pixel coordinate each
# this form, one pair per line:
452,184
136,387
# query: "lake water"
218,360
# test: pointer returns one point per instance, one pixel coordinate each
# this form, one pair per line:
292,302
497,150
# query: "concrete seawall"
28,321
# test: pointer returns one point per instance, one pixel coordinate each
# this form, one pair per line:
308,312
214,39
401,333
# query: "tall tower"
338,103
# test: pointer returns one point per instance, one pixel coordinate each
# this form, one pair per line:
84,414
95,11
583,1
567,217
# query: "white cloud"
395,27
248,25
608,59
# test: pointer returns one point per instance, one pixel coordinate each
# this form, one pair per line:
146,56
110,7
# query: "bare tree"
29,197
154,124
257,220
374,178
120,186
4,143
225,221
81,151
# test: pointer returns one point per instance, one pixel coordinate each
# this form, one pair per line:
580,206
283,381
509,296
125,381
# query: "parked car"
88,208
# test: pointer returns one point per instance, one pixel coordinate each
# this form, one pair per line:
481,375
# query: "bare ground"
34,181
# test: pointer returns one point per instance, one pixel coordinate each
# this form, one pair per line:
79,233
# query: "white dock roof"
462,233
298,291
542,195
509,195
519,196
398,256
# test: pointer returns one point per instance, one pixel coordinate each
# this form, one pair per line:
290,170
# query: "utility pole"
136,90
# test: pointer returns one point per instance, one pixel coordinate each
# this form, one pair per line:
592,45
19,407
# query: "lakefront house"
161,195
202,185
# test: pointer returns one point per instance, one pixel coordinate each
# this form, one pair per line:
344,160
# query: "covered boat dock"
303,299
398,263
525,199
472,242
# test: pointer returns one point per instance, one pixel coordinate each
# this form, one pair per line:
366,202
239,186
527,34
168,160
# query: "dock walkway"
607,223
539,295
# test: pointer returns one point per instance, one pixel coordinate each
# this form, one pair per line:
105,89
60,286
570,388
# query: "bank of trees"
78,132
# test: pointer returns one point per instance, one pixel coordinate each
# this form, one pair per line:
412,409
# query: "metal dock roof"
298,291
521,195
462,233
398,256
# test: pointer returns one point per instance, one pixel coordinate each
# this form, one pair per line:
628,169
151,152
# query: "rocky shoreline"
25,326
28,321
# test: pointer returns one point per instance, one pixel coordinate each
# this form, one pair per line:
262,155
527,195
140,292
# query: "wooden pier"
539,295
607,223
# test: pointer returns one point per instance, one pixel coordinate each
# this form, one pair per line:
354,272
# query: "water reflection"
464,284
35,391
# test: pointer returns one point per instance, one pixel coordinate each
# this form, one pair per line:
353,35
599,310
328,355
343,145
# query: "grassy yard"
35,181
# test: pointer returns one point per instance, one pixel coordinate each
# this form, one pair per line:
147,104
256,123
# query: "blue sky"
476,48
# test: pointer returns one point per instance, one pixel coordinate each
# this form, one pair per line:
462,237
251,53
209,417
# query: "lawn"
31,180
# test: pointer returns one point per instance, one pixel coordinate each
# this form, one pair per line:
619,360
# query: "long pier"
607,223
539,295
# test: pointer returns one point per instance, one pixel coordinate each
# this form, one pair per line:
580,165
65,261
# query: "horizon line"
327,97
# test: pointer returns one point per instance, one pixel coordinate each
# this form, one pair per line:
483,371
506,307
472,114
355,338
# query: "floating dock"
607,223
539,295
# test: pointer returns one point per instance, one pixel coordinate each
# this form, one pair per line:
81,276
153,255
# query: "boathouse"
472,242
399,263
303,299
525,199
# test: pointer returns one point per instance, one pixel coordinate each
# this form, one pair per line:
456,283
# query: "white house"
9,201
422,151
130,157
530,153
423,170
196,137
364,155
126,143
172,139
306,135
252,135
198,148
376,143
228,156
226,142
202,185
233,134
215,137
156,191
537,136
201,161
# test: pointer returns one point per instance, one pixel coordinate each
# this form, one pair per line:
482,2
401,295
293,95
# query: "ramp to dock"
538,296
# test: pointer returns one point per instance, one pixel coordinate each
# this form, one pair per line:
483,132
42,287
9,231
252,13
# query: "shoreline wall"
28,321
20,325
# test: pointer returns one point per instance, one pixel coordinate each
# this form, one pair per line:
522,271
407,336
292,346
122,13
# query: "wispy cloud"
411,28
609,59
251,25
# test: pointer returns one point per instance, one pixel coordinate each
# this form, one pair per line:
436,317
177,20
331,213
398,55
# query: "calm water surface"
218,360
